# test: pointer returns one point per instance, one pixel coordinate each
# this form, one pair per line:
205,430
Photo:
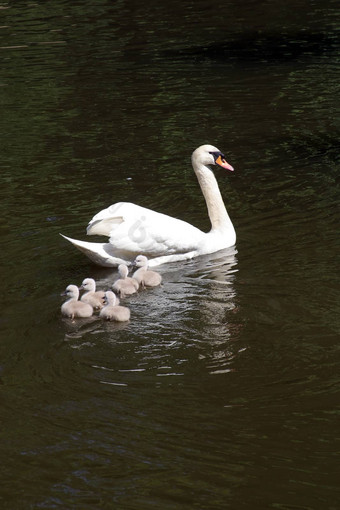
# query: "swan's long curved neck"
216,209
111,301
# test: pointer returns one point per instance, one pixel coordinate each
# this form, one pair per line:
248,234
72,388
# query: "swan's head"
88,284
141,261
123,270
210,155
71,292
110,298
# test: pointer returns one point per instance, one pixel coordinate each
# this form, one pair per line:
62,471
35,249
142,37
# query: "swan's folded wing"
107,219
136,229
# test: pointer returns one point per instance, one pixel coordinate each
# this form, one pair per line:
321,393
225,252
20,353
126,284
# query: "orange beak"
223,164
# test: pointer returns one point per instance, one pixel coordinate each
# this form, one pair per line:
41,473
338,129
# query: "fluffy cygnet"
143,275
112,311
72,307
93,297
125,286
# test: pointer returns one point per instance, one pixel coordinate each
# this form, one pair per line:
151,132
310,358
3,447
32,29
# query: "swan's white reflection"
215,304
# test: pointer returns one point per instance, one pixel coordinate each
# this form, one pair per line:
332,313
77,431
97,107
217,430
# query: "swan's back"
76,309
115,313
95,299
152,279
134,229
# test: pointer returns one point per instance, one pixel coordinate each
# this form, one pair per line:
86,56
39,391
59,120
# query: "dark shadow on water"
262,46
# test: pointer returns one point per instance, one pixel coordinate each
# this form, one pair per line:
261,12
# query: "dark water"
222,391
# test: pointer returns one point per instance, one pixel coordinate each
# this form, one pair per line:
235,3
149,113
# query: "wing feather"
136,229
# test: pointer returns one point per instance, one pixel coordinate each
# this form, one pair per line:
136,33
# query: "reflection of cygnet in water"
92,297
125,286
111,310
72,307
143,275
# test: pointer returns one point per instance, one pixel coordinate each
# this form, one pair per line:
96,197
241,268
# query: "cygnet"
72,307
112,311
143,275
93,297
125,286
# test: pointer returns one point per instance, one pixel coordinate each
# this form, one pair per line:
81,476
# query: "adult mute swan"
133,229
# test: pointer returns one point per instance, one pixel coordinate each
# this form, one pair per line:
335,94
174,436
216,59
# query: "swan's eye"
217,155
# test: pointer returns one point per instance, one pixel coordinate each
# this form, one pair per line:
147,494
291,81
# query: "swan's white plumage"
133,229
143,275
125,285
144,231
72,307
92,296
112,311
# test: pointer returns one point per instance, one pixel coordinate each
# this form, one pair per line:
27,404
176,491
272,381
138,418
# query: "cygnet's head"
88,284
210,155
110,298
71,291
123,270
141,261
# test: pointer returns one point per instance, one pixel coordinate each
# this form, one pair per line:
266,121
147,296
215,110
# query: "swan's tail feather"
99,253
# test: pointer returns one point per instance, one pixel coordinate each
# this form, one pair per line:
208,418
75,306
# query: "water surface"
222,390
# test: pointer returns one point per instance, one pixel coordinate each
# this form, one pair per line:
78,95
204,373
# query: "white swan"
133,229
143,275
72,307
125,285
112,311
93,297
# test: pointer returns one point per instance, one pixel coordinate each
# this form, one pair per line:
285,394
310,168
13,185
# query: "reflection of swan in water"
196,312
217,314
200,287
135,230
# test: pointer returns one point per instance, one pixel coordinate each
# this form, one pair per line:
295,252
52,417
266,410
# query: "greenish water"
222,390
